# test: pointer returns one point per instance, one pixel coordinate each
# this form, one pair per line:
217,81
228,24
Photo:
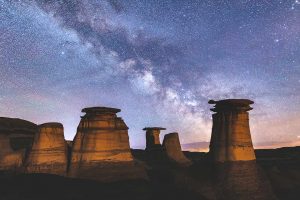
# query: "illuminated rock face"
173,150
236,174
231,138
49,151
16,133
100,148
152,137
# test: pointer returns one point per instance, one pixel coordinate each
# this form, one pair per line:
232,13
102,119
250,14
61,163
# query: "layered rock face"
172,147
237,176
152,137
49,150
15,133
101,149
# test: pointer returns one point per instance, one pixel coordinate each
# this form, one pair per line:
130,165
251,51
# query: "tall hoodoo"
237,176
49,151
152,137
100,148
231,138
173,150
15,135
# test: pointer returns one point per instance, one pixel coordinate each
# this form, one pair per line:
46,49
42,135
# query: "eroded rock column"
231,138
172,147
101,149
236,174
152,137
49,150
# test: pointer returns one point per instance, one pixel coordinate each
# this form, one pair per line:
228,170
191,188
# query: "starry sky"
159,61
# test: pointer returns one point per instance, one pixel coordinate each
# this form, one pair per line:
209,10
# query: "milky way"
159,61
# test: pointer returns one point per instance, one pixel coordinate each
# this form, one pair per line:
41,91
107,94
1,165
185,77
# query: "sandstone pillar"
152,137
49,151
101,149
231,138
172,147
237,176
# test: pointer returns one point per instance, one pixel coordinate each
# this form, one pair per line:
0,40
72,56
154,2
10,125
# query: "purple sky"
158,61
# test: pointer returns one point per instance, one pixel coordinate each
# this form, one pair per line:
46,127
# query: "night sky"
159,61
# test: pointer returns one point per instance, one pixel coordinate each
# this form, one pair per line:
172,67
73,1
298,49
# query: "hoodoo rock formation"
15,135
231,138
237,176
152,137
101,149
49,150
172,147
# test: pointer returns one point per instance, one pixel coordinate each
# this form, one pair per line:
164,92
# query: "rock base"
241,180
108,171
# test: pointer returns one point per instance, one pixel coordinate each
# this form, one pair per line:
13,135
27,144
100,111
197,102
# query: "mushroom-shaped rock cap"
51,125
231,104
153,128
100,110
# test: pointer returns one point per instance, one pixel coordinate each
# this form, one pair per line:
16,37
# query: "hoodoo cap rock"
231,104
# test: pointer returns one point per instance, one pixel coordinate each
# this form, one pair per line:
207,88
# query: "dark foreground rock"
166,181
52,187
